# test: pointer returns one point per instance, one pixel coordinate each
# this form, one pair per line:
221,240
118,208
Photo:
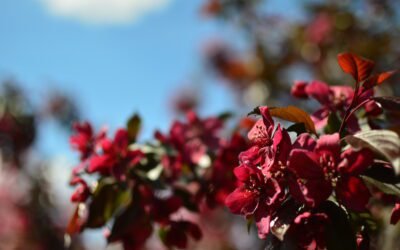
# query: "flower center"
262,135
253,184
328,165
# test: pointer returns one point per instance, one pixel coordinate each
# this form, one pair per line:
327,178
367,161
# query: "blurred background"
103,60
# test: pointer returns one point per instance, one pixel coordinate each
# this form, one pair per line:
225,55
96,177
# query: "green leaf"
249,224
162,234
133,126
388,102
225,116
382,172
387,188
273,243
333,124
150,162
187,199
131,219
383,142
363,220
339,233
298,128
107,199
284,218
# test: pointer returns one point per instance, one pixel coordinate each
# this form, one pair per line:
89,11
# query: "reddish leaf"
294,114
75,223
378,79
212,7
360,68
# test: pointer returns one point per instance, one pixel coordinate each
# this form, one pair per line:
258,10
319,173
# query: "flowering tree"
276,47
29,215
312,185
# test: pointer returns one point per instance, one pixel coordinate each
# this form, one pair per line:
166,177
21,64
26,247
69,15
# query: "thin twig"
353,101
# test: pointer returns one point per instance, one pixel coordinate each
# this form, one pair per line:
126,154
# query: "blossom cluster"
300,187
304,186
144,187
305,173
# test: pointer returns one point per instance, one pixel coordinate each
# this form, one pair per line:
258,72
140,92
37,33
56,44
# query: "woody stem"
349,109
357,107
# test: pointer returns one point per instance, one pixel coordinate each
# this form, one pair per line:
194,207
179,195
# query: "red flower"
194,138
178,232
190,142
172,166
395,214
332,99
257,195
308,230
278,153
322,169
84,140
271,149
319,30
299,89
261,133
116,157
262,173
161,209
335,99
363,240
134,234
222,181
82,192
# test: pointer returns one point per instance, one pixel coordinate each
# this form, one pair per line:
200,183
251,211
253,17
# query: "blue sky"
111,69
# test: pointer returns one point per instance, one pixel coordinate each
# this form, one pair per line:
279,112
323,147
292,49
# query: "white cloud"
103,11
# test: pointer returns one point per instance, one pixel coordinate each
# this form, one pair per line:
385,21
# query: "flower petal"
395,214
299,89
355,162
251,156
329,145
243,173
121,139
305,141
259,134
305,164
263,226
242,201
267,119
309,184
282,145
100,163
320,91
352,193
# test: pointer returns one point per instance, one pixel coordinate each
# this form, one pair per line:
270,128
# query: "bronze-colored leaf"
294,114
378,79
75,224
360,68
